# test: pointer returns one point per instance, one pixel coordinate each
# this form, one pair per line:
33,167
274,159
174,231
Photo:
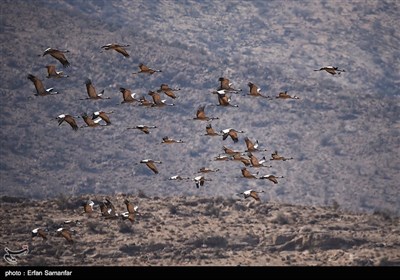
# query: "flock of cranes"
223,92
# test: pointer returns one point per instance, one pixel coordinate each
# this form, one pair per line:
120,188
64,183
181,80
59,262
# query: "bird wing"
144,68
122,51
91,91
249,144
156,98
234,136
38,84
71,121
170,93
152,166
200,113
60,57
105,117
126,94
273,179
255,196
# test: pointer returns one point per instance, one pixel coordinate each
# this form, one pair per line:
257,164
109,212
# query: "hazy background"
343,132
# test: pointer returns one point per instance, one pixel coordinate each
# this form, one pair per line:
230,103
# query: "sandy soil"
192,231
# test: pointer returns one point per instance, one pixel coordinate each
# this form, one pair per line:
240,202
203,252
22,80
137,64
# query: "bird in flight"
256,91
144,69
201,115
285,95
144,128
151,164
251,193
117,48
40,89
68,119
91,91
52,73
59,55
331,70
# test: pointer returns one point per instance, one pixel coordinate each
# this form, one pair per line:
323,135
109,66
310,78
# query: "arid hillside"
193,231
342,132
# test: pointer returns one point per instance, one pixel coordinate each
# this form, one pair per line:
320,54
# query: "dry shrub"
216,242
125,227
281,218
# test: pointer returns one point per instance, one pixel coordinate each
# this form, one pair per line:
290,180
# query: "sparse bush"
191,203
12,199
239,207
131,250
384,213
251,239
95,227
335,205
211,210
219,200
125,228
281,219
216,242
141,194
153,247
173,209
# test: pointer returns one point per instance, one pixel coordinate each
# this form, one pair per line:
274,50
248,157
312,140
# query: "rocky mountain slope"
343,132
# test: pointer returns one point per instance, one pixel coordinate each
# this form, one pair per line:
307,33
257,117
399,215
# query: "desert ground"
191,231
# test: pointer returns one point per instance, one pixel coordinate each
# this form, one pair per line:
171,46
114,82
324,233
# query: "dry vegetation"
192,231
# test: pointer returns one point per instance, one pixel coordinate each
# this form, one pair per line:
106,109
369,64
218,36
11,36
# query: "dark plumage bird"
88,206
178,177
144,69
91,91
255,162
130,207
201,115
167,140
40,89
225,84
67,234
59,55
285,95
224,99
157,101
233,133
144,128
210,131
52,73
144,102
207,170
229,151
251,193
68,119
246,174
151,164
251,146
89,121
256,91
168,91
276,156
103,116
117,48
128,96
271,177
331,70
40,232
